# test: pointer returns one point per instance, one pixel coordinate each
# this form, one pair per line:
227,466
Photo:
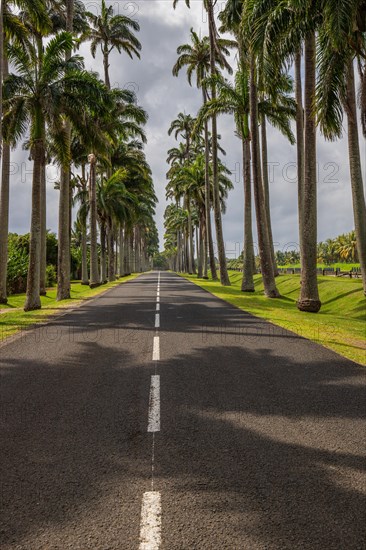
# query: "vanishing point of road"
157,416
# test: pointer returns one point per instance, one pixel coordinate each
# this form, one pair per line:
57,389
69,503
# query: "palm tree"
264,244
27,102
94,270
64,212
337,53
346,247
109,32
11,30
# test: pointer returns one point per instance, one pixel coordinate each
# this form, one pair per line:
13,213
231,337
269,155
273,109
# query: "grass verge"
340,325
13,319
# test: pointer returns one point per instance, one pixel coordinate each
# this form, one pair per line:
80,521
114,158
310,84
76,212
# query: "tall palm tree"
13,30
27,103
109,31
264,244
64,212
337,54
94,270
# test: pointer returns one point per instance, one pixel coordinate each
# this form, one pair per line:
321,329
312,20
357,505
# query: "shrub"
17,270
51,276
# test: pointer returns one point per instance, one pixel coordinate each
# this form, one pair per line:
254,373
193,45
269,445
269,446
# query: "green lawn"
340,325
13,318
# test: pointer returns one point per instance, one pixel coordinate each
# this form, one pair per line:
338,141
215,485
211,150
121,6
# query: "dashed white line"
158,299
154,405
157,307
156,349
150,527
157,320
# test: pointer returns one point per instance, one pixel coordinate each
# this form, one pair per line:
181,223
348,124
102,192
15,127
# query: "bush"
17,270
18,262
51,276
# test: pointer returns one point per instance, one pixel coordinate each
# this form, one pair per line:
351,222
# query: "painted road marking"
157,307
156,349
150,528
157,320
154,405
158,298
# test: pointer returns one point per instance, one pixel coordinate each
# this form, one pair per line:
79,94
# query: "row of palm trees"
94,133
190,186
321,42
341,249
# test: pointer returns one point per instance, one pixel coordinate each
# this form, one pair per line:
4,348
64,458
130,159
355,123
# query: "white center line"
157,320
154,405
150,528
156,349
158,298
157,307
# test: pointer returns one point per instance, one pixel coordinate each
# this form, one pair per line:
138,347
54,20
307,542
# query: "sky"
163,97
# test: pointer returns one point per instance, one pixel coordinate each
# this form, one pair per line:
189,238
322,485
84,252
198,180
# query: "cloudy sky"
163,96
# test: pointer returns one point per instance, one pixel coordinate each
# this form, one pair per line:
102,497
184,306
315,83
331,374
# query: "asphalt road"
158,416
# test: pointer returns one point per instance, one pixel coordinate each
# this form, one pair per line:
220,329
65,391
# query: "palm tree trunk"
358,196
4,189
224,277
132,253
33,300
309,295
190,236
198,252
187,254
94,270
121,251
103,254
84,237
179,256
63,260
84,255
106,68
43,272
2,37
266,191
64,223
110,246
269,282
116,253
209,242
4,221
247,284
299,139
126,262
205,246
201,246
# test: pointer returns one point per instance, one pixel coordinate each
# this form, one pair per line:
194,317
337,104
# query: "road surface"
158,416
